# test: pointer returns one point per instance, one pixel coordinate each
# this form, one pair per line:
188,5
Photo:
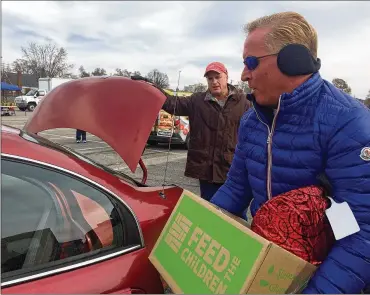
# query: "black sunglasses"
252,62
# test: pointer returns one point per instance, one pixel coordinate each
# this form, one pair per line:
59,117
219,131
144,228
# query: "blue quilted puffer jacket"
316,129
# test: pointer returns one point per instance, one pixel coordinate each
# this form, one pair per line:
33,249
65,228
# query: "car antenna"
172,129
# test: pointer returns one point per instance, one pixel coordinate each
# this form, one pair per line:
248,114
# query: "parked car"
162,130
69,224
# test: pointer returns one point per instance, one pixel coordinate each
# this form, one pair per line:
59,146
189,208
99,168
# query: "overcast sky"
186,36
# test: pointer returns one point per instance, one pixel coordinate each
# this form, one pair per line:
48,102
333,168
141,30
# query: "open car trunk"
118,110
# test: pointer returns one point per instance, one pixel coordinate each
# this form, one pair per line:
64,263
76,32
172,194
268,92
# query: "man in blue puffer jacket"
301,126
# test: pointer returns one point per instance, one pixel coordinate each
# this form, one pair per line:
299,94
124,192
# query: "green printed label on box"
203,253
276,280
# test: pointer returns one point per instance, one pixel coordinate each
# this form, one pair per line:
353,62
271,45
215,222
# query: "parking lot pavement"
157,159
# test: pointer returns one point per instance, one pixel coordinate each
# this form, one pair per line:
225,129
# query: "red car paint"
118,110
128,273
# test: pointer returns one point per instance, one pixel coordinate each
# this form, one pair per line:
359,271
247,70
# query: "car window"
50,218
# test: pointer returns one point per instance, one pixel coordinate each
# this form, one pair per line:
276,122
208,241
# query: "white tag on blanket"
342,220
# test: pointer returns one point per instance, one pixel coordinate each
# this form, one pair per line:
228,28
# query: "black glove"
141,78
324,182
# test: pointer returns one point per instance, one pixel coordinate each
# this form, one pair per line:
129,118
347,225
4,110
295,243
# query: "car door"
62,233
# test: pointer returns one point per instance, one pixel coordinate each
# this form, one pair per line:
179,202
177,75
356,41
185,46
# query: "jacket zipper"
269,147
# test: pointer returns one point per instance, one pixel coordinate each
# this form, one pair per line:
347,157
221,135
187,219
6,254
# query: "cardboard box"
206,250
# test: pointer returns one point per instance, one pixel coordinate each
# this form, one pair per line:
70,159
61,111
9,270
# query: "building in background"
25,81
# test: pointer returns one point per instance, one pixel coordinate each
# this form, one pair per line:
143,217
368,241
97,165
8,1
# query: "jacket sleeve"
347,267
236,194
178,106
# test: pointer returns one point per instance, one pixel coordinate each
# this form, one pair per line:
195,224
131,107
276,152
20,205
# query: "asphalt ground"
164,166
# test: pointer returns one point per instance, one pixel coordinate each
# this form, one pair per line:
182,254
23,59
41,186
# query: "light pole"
178,83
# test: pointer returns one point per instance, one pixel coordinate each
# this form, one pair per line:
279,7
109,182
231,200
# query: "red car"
70,225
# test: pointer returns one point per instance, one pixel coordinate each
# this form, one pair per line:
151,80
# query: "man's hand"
141,78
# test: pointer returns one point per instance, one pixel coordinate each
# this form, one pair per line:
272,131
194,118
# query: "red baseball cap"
216,67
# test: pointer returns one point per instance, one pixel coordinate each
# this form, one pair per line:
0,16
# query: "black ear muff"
296,60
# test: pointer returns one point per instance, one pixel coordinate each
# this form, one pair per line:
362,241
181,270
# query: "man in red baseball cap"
216,67
214,120
217,76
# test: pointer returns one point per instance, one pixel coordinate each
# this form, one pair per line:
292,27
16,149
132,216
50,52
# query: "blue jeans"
208,189
79,134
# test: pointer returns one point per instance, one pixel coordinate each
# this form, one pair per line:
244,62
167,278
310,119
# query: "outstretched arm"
178,106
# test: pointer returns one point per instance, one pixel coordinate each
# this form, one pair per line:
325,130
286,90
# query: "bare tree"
244,86
188,88
99,72
199,87
21,65
83,72
120,72
159,79
126,73
44,60
342,85
5,67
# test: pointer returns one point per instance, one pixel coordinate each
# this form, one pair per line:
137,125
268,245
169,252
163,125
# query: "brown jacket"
213,132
